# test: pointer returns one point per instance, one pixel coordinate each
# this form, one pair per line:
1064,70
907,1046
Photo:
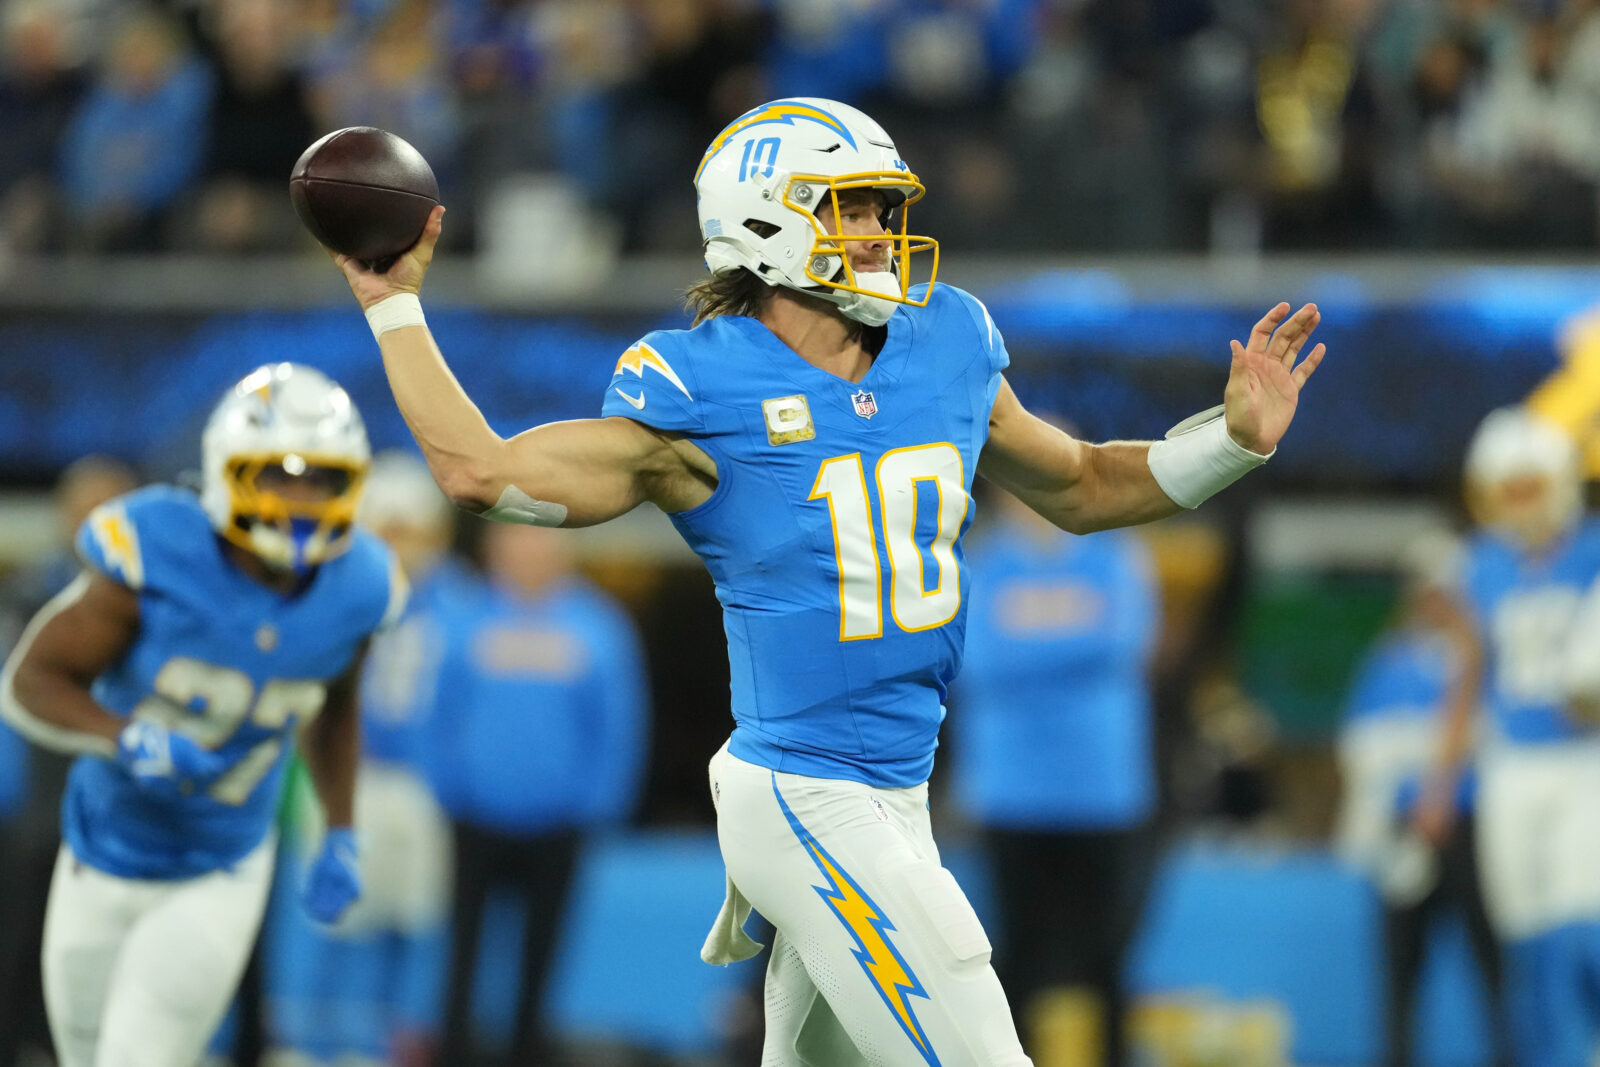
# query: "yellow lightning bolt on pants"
878,957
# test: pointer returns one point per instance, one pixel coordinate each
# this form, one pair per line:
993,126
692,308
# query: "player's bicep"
77,636
597,469
1026,455
82,632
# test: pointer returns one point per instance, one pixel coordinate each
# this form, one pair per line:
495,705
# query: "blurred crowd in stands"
1038,125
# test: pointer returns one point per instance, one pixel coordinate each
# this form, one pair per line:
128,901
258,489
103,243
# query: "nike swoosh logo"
636,401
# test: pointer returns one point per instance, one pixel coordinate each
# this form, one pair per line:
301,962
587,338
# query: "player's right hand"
166,762
404,276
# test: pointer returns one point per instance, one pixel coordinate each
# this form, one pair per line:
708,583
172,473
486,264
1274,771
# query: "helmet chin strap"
865,308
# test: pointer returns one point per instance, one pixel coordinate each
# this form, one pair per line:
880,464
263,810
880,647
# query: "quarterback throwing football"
814,438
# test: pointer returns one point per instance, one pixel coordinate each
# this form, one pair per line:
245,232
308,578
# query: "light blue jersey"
549,712
1394,702
834,533
1525,609
399,686
224,659
1054,720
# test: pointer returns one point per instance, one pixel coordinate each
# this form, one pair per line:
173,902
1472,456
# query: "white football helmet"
284,425
764,177
1523,476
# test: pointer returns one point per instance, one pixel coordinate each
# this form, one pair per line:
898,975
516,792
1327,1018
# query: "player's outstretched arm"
77,636
562,474
1082,487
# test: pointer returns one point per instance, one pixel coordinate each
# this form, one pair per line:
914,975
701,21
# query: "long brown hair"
742,292
733,292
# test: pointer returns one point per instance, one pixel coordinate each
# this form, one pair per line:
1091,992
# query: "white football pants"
878,958
1538,815
139,973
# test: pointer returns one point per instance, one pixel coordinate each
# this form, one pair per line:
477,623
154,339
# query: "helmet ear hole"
760,227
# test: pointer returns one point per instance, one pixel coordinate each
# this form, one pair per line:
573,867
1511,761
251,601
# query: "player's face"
300,482
1525,507
527,558
861,213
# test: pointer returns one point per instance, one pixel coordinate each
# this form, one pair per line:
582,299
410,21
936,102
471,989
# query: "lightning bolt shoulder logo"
119,543
635,360
885,968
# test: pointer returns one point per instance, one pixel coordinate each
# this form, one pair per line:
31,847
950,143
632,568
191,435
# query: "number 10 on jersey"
900,475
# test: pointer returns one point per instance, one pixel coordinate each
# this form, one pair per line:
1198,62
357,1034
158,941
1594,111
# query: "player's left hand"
334,883
1264,382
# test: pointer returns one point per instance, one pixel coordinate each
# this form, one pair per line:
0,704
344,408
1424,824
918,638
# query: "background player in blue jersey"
814,439
1054,759
203,636
1533,562
1387,747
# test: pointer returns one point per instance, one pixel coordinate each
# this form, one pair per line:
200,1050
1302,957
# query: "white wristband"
393,312
1198,459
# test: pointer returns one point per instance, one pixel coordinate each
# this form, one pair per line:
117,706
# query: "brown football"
364,192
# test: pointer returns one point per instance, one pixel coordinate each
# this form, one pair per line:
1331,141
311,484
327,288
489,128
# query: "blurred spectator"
1231,126
1053,741
395,77
30,825
390,945
696,70
1523,163
544,743
260,122
40,83
1317,120
1387,747
138,139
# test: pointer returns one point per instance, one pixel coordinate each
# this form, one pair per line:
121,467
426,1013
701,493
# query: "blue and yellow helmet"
283,458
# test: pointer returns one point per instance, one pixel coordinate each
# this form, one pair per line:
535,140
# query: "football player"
814,439
204,634
1528,571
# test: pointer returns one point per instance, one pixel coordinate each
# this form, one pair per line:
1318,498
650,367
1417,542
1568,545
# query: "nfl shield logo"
866,405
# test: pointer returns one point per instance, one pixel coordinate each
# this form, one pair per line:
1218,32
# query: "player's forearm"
332,753
462,450
1458,712
1460,708
1111,486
